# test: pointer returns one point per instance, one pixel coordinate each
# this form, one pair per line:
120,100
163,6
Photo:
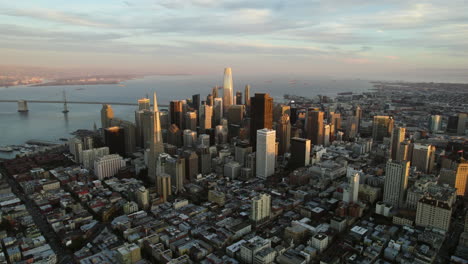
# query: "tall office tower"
261,115
174,136
423,157
164,119
314,126
235,114
382,126
352,124
461,126
350,193
147,128
405,151
106,115
209,100
221,135
75,146
284,134
108,166
279,110
247,97
241,151
457,178
238,98
227,89
300,152
358,115
335,119
214,92
144,104
398,136
196,101
88,143
435,123
452,124
176,113
204,140
176,168
164,187
142,196
90,155
129,132
157,145
435,210
191,121
261,208
190,138
326,134
206,116
191,165
396,182
218,111
266,153
114,138
139,136
204,159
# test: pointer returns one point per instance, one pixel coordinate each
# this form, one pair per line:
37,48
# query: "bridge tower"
65,106
23,106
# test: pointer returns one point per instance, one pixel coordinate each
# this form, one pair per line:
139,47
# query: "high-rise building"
176,168
108,166
461,126
232,170
163,184
147,128
457,178
88,143
261,207
358,115
434,209
106,115
435,123
214,92
238,98
279,110
405,151
300,152
261,114
174,136
335,119
191,121
90,155
142,196
206,116
382,126
283,129
352,124
129,133
314,126
144,104
250,250
396,182
227,89
266,154
157,145
235,114
326,134
176,112
210,100
423,157
204,140
191,165
452,124
204,159
218,111
398,136
114,138
350,193
190,138
75,146
241,151
196,101
221,135
247,97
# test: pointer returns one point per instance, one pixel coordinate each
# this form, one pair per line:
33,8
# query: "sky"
341,38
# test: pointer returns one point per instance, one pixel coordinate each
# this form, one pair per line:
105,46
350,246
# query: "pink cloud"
357,61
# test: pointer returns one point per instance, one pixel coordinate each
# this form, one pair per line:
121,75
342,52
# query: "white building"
108,166
351,192
89,156
265,161
320,242
249,249
75,147
261,207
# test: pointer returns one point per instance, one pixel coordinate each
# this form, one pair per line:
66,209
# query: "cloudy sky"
361,38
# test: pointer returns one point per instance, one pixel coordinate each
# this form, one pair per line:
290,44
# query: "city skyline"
390,39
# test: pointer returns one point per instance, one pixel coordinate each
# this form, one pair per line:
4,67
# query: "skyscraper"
300,152
205,116
214,92
157,145
238,98
144,104
247,97
423,157
191,121
227,89
265,153
435,123
396,182
176,112
461,126
314,126
382,126
114,138
106,115
261,114
196,101
260,208
350,193
218,111
283,127
457,178
398,136
129,132
235,114
176,168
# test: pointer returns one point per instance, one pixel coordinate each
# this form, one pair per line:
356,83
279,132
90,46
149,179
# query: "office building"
190,138
396,182
204,159
196,102
434,209
114,138
238,98
279,110
423,157
260,208
191,121
217,197
217,111
144,104
335,119
456,178
108,166
221,135
405,151
191,165
300,152
352,124
249,250
75,146
461,126
261,115
176,168
314,126
283,129
227,89
142,197
235,114
157,145
326,134
351,192
398,136
241,151
176,113
106,115
163,185
382,126
129,130
265,153
435,123
90,155
247,97
205,117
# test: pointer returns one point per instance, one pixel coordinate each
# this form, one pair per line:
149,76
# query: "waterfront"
47,122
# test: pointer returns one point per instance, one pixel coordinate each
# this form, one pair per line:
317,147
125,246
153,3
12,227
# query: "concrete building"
283,129
191,121
435,211
266,156
114,138
217,111
456,178
205,117
142,197
108,166
176,168
232,169
300,152
320,242
382,126
314,126
398,136
396,182
260,208
190,138
90,155
423,157
435,123
351,192
75,146
249,249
